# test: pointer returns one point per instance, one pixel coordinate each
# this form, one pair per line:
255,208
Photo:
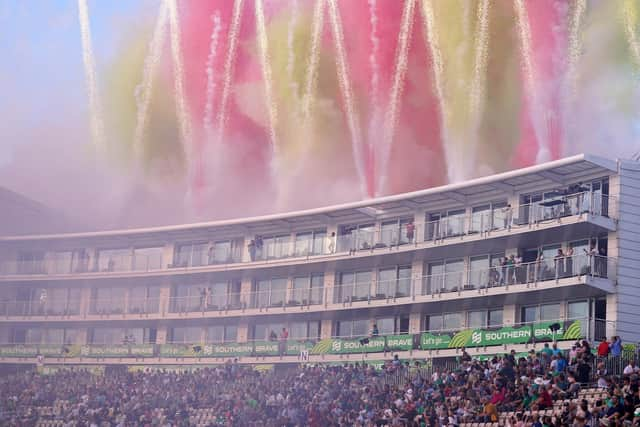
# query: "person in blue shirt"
561,363
616,346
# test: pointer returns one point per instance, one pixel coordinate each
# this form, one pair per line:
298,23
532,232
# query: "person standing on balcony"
331,242
374,331
252,250
568,263
603,348
411,230
507,216
284,336
616,346
559,264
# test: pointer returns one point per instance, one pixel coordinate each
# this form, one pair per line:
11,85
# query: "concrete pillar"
509,314
167,254
246,286
415,322
417,274
161,334
243,330
165,296
326,329
612,315
85,300
330,278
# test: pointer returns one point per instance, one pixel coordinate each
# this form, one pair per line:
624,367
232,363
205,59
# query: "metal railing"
47,307
449,227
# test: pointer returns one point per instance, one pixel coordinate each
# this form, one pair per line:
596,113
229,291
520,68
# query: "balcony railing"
482,337
499,276
451,227
48,307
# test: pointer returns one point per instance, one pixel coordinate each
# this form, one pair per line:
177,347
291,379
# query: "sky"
41,69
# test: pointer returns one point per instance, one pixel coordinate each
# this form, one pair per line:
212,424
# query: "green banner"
27,350
399,342
505,335
227,350
134,350
181,350
345,346
294,348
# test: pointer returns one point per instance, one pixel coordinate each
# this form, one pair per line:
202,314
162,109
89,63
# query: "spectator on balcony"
558,260
568,264
590,253
616,346
252,250
601,262
284,336
603,348
410,231
259,246
511,269
374,331
631,368
331,242
507,216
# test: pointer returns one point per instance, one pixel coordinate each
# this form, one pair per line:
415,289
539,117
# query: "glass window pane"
298,330
477,319
454,271
317,285
114,260
530,314
319,239
278,290
550,312
230,333
145,259
362,286
480,219
404,282
495,317
303,243
452,321
479,271
434,322
435,278
386,282
386,325
578,310
221,253
215,334
360,328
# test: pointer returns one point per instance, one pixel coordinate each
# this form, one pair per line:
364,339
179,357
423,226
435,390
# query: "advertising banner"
501,336
134,350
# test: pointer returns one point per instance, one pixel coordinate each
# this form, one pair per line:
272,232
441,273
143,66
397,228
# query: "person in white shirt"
631,368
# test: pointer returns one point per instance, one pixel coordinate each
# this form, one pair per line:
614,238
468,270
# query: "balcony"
594,271
567,209
443,343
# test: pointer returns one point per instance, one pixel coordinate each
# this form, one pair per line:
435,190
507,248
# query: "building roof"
554,174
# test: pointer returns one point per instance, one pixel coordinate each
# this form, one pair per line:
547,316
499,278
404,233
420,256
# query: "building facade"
546,253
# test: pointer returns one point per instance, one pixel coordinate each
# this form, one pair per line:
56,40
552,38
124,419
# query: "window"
550,312
108,300
221,333
270,293
304,330
263,331
477,319
115,336
359,237
488,217
185,335
484,318
578,310
394,282
60,262
395,232
114,260
479,271
221,252
31,262
310,243
444,322
145,259
353,328
393,325
192,254
495,317
354,286
275,247
188,297
545,312
144,299
307,290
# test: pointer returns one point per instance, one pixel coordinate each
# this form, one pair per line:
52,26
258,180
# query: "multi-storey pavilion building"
550,252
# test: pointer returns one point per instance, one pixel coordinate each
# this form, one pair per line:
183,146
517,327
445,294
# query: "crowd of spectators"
505,390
